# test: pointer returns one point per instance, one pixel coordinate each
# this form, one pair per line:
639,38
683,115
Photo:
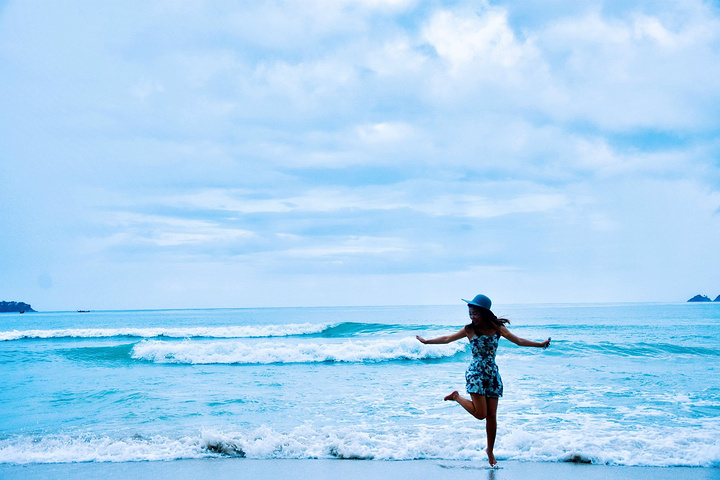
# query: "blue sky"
173,154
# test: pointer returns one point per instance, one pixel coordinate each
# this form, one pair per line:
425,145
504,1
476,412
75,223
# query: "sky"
202,154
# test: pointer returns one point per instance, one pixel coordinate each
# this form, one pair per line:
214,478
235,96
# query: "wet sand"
221,469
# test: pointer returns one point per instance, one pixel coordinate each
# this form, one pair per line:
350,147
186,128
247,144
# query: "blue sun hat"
479,301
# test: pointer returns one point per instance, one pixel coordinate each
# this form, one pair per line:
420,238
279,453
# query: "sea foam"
248,331
449,442
238,352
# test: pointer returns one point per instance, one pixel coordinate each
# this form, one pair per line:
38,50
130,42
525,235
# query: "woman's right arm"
444,339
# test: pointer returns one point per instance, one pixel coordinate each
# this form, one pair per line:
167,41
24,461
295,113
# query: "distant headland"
703,298
18,307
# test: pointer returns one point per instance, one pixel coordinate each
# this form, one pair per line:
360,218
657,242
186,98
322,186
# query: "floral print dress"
482,376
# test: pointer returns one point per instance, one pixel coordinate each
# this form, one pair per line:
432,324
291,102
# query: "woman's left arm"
521,341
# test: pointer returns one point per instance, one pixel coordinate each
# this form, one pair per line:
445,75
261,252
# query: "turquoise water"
627,384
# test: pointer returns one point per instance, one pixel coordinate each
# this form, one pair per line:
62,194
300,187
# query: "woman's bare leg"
476,405
491,428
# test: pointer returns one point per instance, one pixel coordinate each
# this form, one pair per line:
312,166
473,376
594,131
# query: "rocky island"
702,298
17,307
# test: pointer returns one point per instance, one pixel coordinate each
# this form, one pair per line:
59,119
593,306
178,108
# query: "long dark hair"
488,322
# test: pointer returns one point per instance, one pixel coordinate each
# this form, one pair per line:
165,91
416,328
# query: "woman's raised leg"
476,405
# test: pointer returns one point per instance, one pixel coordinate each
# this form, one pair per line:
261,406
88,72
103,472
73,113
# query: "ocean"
621,384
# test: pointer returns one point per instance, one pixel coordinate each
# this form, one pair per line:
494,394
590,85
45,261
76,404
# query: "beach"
624,390
232,469
231,228
241,238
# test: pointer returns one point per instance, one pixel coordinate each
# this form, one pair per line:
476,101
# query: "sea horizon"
379,305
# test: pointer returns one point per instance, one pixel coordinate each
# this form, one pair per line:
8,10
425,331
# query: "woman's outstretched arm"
521,341
446,338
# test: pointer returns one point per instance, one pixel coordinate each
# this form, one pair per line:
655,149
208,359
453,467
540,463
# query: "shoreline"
234,468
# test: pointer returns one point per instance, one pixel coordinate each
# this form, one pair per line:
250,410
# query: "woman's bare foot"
491,458
452,396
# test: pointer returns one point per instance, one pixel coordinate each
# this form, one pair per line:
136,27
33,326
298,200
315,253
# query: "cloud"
164,231
482,40
537,143
384,132
483,207
424,197
635,72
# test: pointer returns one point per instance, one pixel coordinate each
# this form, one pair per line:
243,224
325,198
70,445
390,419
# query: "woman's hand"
422,340
546,343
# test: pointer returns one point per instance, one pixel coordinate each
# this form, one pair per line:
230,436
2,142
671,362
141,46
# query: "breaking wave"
641,448
238,352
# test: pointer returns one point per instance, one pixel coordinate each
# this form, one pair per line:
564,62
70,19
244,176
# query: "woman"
482,377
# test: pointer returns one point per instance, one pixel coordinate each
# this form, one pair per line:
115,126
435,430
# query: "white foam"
238,352
448,442
249,331
71,449
605,442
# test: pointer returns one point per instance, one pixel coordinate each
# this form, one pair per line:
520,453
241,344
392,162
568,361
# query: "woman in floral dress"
482,378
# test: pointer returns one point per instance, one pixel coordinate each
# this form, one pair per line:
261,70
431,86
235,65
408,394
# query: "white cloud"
426,198
475,206
165,231
385,132
396,57
350,246
307,85
652,28
634,72
466,39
